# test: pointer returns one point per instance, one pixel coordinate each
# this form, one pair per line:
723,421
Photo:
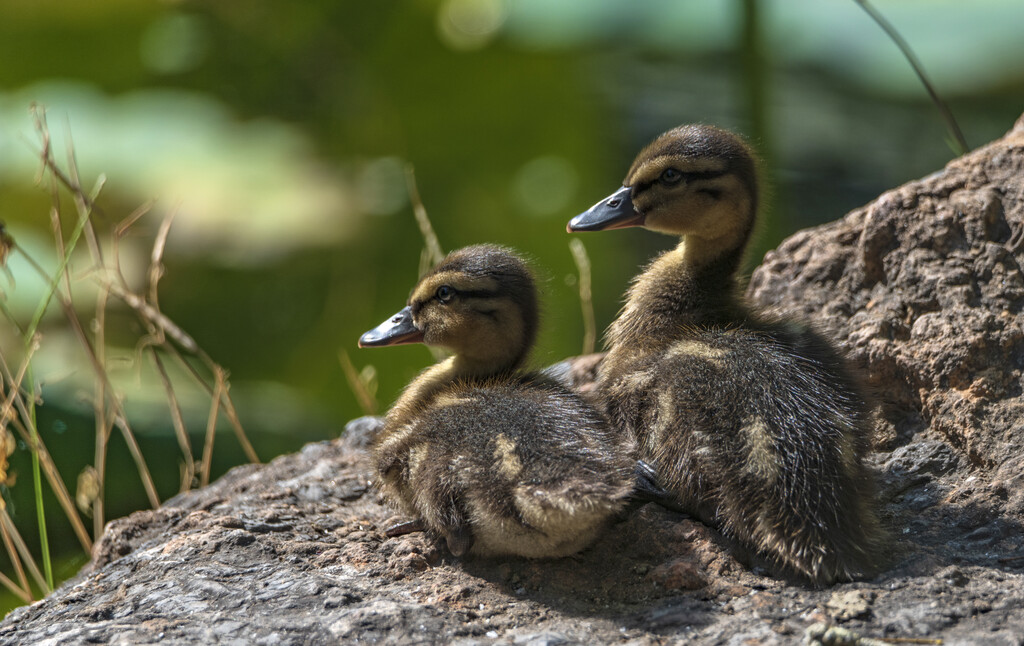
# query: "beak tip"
397,330
614,212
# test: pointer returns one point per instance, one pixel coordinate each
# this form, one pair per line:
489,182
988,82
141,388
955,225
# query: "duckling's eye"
445,293
670,176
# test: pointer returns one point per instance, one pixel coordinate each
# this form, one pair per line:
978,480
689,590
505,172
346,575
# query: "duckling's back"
760,431
524,465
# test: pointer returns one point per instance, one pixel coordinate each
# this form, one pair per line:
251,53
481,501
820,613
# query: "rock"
924,289
359,433
821,634
679,575
953,576
849,604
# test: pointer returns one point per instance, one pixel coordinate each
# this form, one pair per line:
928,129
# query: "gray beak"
614,212
397,330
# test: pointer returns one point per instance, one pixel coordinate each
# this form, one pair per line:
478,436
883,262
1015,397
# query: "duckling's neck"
682,289
440,375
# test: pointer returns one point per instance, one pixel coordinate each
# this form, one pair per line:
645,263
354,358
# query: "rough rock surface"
924,287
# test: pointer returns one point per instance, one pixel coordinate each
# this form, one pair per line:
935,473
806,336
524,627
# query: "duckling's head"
479,302
696,181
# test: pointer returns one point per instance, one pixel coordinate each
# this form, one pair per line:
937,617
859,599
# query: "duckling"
753,422
491,458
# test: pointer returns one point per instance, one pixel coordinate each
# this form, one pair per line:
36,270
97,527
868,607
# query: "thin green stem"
37,480
30,333
55,279
9,315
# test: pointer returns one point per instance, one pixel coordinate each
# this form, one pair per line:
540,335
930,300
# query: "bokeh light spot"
545,185
380,186
469,25
174,43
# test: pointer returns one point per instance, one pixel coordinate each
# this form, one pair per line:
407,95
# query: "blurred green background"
279,133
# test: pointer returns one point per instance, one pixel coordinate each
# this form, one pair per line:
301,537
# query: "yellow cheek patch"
721,219
508,463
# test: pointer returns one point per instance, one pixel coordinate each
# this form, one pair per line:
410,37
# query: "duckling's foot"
408,527
459,540
648,490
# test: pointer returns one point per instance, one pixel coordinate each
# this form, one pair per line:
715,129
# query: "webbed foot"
408,527
460,541
648,490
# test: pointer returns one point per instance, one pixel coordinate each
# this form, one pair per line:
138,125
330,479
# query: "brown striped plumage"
495,460
753,422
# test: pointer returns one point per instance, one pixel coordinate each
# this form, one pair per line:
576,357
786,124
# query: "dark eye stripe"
477,293
462,293
704,174
689,176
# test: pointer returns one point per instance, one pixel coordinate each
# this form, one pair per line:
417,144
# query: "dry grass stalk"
18,405
229,410
434,252
24,591
15,589
12,587
103,424
189,470
959,142
211,429
161,327
582,260
21,549
36,445
156,264
367,402
84,207
14,397
25,425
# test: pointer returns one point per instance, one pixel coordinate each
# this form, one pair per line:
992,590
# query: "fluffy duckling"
495,460
753,423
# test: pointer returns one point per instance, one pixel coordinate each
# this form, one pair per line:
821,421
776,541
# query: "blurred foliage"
280,133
